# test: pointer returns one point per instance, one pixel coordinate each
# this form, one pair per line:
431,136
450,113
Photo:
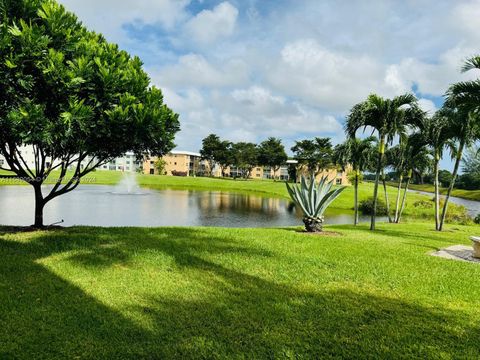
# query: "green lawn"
99,177
237,293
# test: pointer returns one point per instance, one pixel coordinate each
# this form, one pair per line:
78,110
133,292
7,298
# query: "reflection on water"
100,205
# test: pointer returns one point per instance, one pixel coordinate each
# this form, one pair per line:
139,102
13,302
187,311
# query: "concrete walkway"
457,252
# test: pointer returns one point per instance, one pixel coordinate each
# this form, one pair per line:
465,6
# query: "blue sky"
250,69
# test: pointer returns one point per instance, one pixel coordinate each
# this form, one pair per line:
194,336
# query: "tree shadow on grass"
241,316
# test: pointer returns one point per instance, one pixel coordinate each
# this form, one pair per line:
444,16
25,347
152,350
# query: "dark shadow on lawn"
243,315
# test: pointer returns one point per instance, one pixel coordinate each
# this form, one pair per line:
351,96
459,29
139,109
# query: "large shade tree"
315,155
388,117
271,152
211,146
76,100
245,157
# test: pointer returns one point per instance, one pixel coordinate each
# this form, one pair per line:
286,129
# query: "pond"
99,205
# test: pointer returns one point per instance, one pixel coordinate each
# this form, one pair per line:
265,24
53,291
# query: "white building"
127,163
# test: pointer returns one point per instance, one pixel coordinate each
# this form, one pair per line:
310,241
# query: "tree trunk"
355,200
452,183
39,206
437,195
387,203
404,200
381,152
397,202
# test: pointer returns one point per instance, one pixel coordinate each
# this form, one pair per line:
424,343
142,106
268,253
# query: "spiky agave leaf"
327,200
313,199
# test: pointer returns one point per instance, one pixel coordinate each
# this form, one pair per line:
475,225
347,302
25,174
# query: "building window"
339,181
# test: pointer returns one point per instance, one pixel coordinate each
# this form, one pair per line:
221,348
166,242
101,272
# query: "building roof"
180,152
292,161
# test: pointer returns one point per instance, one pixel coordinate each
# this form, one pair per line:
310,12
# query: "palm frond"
472,63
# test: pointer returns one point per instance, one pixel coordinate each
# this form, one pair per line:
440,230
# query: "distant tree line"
315,155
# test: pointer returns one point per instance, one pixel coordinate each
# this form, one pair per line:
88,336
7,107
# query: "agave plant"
313,199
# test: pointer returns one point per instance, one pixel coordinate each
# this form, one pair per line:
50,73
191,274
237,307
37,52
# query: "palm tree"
437,133
416,156
357,153
463,108
388,118
396,159
465,130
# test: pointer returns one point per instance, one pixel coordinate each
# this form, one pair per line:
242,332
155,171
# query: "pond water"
128,205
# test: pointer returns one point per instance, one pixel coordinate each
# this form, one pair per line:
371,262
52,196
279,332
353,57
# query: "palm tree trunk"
381,152
355,200
387,203
404,199
397,202
452,183
437,195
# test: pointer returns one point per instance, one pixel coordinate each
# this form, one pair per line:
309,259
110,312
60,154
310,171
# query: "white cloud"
466,16
210,25
247,114
257,69
109,16
331,80
427,106
195,70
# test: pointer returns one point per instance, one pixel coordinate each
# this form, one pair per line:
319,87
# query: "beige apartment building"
178,163
187,163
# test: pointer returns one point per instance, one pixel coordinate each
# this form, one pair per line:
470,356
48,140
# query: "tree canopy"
316,154
75,99
271,152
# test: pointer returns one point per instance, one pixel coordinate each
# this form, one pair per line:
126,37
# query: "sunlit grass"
237,293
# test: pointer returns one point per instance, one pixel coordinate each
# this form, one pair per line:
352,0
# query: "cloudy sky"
250,69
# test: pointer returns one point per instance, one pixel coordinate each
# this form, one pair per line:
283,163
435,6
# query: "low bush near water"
366,207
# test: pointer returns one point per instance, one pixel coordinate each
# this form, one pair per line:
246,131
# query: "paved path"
457,252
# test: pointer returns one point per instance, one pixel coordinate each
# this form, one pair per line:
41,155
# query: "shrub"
366,207
423,204
179,173
477,219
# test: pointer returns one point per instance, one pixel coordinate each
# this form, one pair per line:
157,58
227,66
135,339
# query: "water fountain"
128,185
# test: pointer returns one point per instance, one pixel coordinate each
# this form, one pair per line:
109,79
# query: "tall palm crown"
467,93
417,155
389,117
463,121
438,131
359,153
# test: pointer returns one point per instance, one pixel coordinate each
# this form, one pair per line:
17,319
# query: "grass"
99,177
269,188
190,293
